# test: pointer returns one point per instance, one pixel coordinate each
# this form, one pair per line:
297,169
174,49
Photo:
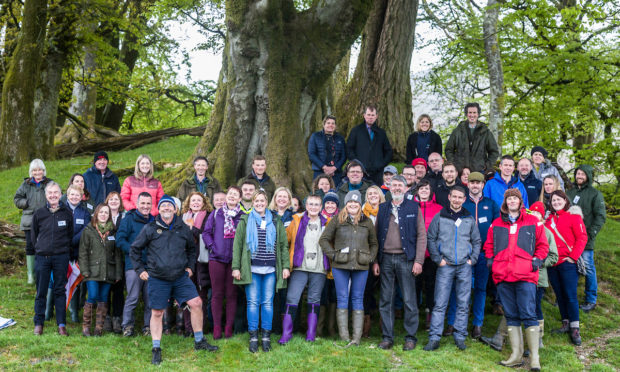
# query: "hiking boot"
460,344
587,307
146,331
253,347
38,330
575,337
432,345
385,345
204,345
409,345
116,325
62,330
564,329
128,331
498,309
476,332
156,360
266,340
107,324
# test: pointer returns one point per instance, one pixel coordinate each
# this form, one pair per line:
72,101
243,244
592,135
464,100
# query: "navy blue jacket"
81,218
485,212
128,230
533,186
317,151
375,154
442,191
98,186
408,213
52,232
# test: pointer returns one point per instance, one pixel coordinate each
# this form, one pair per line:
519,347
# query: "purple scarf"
298,254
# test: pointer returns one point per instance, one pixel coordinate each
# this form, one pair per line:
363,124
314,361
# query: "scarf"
196,218
368,210
298,254
254,220
104,229
327,215
229,224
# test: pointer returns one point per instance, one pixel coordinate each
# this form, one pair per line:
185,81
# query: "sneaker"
460,344
156,360
587,307
432,345
128,331
204,345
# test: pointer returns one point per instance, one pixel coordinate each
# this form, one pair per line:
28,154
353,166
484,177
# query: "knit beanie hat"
166,199
100,155
539,149
354,195
332,197
507,194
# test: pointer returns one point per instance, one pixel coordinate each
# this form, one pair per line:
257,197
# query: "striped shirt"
262,257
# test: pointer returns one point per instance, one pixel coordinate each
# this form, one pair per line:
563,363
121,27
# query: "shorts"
160,291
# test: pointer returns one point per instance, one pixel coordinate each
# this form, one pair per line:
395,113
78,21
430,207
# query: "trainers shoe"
156,356
128,331
587,307
432,345
204,345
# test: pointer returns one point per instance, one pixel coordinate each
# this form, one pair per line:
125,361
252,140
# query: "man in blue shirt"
504,180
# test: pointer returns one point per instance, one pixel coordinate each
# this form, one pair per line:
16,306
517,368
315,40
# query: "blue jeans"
591,282
447,276
519,302
259,295
480,277
45,267
358,283
540,292
563,279
97,291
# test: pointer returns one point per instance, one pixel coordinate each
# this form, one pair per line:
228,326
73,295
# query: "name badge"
346,250
485,207
62,223
482,220
263,224
231,213
410,197
577,197
111,238
79,221
89,206
553,224
513,229
458,222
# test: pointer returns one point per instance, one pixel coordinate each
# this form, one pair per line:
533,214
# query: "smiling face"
456,198
557,203
313,206
370,116
259,166
355,174
78,181
549,185
398,188
74,197
353,208
52,194
472,115
37,174
425,124
144,166
465,175
144,205
101,164
295,205
475,188
114,202
513,203
200,167
248,190
166,210
233,198
219,199
372,196
329,126
330,207
409,174
538,158
449,174
524,167
196,203
581,177
435,162
323,185
507,167
104,215
424,193
260,204
282,200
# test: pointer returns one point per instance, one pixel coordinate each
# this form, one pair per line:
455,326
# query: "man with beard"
248,187
402,243
532,185
412,181
450,179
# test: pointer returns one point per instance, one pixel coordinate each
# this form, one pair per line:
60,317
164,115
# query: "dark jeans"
426,281
45,267
329,293
460,277
395,268
297,283
519,302
97,291
563,279
540,292
370,303
591,286
29,245
117,298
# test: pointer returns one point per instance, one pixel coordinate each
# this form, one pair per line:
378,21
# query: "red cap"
419,161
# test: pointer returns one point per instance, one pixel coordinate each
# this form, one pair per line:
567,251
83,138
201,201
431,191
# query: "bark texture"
17,134
276,63
496,71
382,75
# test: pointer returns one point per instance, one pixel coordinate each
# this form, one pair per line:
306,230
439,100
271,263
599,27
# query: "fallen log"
127,142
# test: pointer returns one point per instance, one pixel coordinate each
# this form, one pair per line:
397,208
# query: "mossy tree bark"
276,63
496,70
18,140
382,75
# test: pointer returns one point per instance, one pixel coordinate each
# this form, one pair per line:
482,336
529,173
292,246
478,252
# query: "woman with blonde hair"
142,181
550,184
424,141
280,205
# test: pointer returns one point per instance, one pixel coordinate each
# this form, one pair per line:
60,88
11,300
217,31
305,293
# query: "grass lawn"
20,350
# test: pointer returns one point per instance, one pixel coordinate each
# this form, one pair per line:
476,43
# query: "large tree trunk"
496,71
382,75
17,134
275,66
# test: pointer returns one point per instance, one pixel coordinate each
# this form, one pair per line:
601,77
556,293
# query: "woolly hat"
539,149
166,199
538,207
332,197
419,161
100,155
507,194
476,176
353,196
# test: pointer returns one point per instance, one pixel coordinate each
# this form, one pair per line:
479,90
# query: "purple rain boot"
313,316
287,324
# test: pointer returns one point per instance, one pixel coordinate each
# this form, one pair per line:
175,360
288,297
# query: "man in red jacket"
515,249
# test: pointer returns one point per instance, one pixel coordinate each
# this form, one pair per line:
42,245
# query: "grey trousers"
460,277
135,285
396,267
297,282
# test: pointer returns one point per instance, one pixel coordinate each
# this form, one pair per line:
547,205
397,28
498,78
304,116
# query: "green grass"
20,350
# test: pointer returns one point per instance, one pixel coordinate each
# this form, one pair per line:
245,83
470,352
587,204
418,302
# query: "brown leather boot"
102,311
367,325
87,318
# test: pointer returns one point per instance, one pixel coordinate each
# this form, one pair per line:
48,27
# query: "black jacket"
434,178
435,145
375,154
52,232
170,249
533,186
442,191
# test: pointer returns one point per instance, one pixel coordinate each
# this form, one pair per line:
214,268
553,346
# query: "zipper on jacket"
456,256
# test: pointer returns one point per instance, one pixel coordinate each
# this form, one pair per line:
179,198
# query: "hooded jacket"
453,237
478,152
100,185
496,187
343,190
570,234
592,205
170,249
128,230
545,169
189,186
30,197
512,248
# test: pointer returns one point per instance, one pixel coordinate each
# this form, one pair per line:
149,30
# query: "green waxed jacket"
242,257
100,260
592,205
478,152
552,259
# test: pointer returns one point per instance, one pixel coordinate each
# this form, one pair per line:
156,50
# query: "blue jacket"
453,237
408,213
81,218
128,230
317,151
100,186
485,212
496,187
533,186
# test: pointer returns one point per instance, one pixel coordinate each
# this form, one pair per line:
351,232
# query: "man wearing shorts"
171,257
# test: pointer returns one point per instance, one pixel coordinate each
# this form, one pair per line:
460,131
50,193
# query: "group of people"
241,258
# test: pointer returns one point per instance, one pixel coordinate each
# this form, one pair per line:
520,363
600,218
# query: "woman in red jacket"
142,180
571,238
